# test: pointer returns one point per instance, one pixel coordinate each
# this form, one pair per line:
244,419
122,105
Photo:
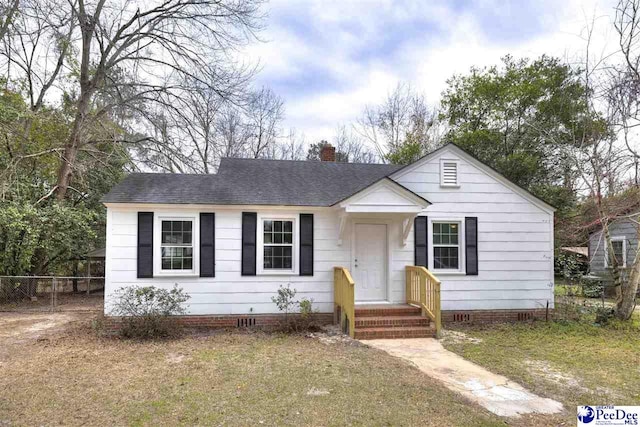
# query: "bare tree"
289,147
7,11
624,102
403,116
351,146
203,127
264,115
125,57
602,149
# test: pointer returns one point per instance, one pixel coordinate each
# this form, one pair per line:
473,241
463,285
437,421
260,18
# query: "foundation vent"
246,322
524,316
461,317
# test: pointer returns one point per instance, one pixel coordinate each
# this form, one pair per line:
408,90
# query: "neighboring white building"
231,239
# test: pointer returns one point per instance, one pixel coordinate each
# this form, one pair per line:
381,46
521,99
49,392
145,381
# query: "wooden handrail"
344,300
423,290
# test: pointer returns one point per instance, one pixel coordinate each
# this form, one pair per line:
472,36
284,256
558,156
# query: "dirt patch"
331,335
318,392
544,369
176,358
19,328
457,337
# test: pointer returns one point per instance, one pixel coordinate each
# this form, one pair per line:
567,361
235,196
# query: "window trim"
295,252
622,239
457,163
157,245
461,246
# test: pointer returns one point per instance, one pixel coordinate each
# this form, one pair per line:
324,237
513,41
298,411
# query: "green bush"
569,266
147,312
304,320
592,288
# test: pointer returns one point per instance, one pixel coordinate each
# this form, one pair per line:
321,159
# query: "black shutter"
306,244
207,244
420,241
471,245
249,220
145,244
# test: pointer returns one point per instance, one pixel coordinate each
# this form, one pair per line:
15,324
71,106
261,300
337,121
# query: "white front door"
370,262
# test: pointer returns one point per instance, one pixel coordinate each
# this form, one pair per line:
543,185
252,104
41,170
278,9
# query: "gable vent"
449,173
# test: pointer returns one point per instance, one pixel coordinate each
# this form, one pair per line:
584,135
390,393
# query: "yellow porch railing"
423,290
344,310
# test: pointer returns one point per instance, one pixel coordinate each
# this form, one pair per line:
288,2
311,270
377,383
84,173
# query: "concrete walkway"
496,393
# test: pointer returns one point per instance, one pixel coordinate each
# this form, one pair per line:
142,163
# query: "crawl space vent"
245,322
461,317
524,316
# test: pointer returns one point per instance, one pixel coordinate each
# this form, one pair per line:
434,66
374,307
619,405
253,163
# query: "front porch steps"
391,321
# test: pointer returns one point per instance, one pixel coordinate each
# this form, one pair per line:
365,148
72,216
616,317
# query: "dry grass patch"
221,379
576,363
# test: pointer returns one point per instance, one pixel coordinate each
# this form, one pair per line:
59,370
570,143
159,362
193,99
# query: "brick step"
407,332
398,310
391,321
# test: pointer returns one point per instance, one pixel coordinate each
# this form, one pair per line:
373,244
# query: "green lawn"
223,379
574,362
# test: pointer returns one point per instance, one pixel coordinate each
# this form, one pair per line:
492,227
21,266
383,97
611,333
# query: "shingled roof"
253,182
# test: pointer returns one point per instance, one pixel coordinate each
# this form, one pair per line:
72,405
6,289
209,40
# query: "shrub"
305,321
570,267
147,311
306,307
284,299
592,288
604,315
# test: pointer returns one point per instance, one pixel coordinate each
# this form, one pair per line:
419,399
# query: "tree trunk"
87,88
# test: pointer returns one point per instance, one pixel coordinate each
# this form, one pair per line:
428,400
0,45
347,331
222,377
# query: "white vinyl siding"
515,238
229,292
515,249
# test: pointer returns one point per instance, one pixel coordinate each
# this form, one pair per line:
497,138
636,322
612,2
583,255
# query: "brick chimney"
328,153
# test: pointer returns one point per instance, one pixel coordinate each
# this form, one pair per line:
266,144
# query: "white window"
447,245
619,251
277,245
176,245
449,173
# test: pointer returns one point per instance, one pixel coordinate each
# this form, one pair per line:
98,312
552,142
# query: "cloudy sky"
328,59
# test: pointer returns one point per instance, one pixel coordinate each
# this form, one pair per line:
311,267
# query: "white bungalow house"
231,239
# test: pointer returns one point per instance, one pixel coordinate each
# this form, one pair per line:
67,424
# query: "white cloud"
318,47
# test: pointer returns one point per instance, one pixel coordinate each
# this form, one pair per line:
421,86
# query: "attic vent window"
449,173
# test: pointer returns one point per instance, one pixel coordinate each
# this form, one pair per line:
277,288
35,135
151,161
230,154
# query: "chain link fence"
51,293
